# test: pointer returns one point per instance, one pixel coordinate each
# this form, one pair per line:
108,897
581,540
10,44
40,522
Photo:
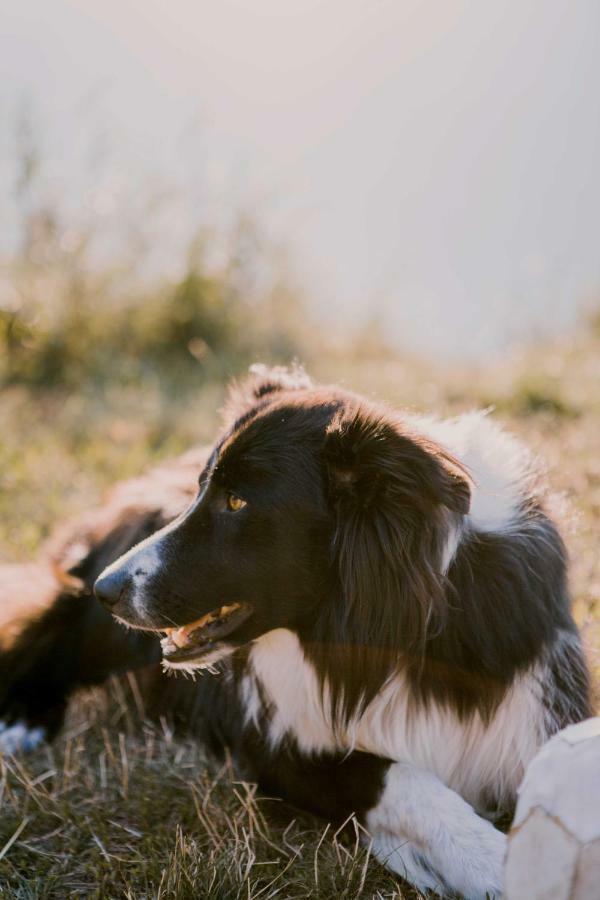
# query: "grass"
118,807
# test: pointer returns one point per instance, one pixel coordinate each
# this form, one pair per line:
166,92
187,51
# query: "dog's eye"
235,503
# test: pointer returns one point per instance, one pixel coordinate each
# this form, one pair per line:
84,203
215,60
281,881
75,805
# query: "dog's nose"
109,587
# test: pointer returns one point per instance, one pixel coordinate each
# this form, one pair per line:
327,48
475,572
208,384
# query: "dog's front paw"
478,872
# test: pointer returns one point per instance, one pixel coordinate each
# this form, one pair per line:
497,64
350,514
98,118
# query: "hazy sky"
439,161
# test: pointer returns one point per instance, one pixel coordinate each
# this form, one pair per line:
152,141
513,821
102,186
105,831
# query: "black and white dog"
381,599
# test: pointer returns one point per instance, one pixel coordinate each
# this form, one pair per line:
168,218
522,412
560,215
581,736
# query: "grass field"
118,807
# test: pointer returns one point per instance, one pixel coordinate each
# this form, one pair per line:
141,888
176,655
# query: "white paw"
19,738
402,857
474,869
478,869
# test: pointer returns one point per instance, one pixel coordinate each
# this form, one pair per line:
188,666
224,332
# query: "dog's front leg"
433,838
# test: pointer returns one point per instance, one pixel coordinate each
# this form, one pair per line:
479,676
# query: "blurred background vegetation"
75,308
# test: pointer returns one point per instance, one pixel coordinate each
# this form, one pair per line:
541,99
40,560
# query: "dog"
380,600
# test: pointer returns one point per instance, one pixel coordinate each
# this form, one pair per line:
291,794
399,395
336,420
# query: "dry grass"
120,808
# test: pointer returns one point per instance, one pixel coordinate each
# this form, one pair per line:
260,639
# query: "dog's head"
316,512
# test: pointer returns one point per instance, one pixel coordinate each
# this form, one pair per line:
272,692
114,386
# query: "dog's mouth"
190,643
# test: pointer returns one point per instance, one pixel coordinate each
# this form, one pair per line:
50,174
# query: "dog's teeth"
226,610
181,636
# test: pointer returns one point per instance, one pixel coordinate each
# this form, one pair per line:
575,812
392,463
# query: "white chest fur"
472,757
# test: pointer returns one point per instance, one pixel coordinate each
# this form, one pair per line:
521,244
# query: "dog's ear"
374,464
395,498
261,381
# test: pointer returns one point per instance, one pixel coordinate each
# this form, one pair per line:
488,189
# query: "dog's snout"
110,587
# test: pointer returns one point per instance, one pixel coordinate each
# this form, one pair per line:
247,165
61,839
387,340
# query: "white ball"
554,843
